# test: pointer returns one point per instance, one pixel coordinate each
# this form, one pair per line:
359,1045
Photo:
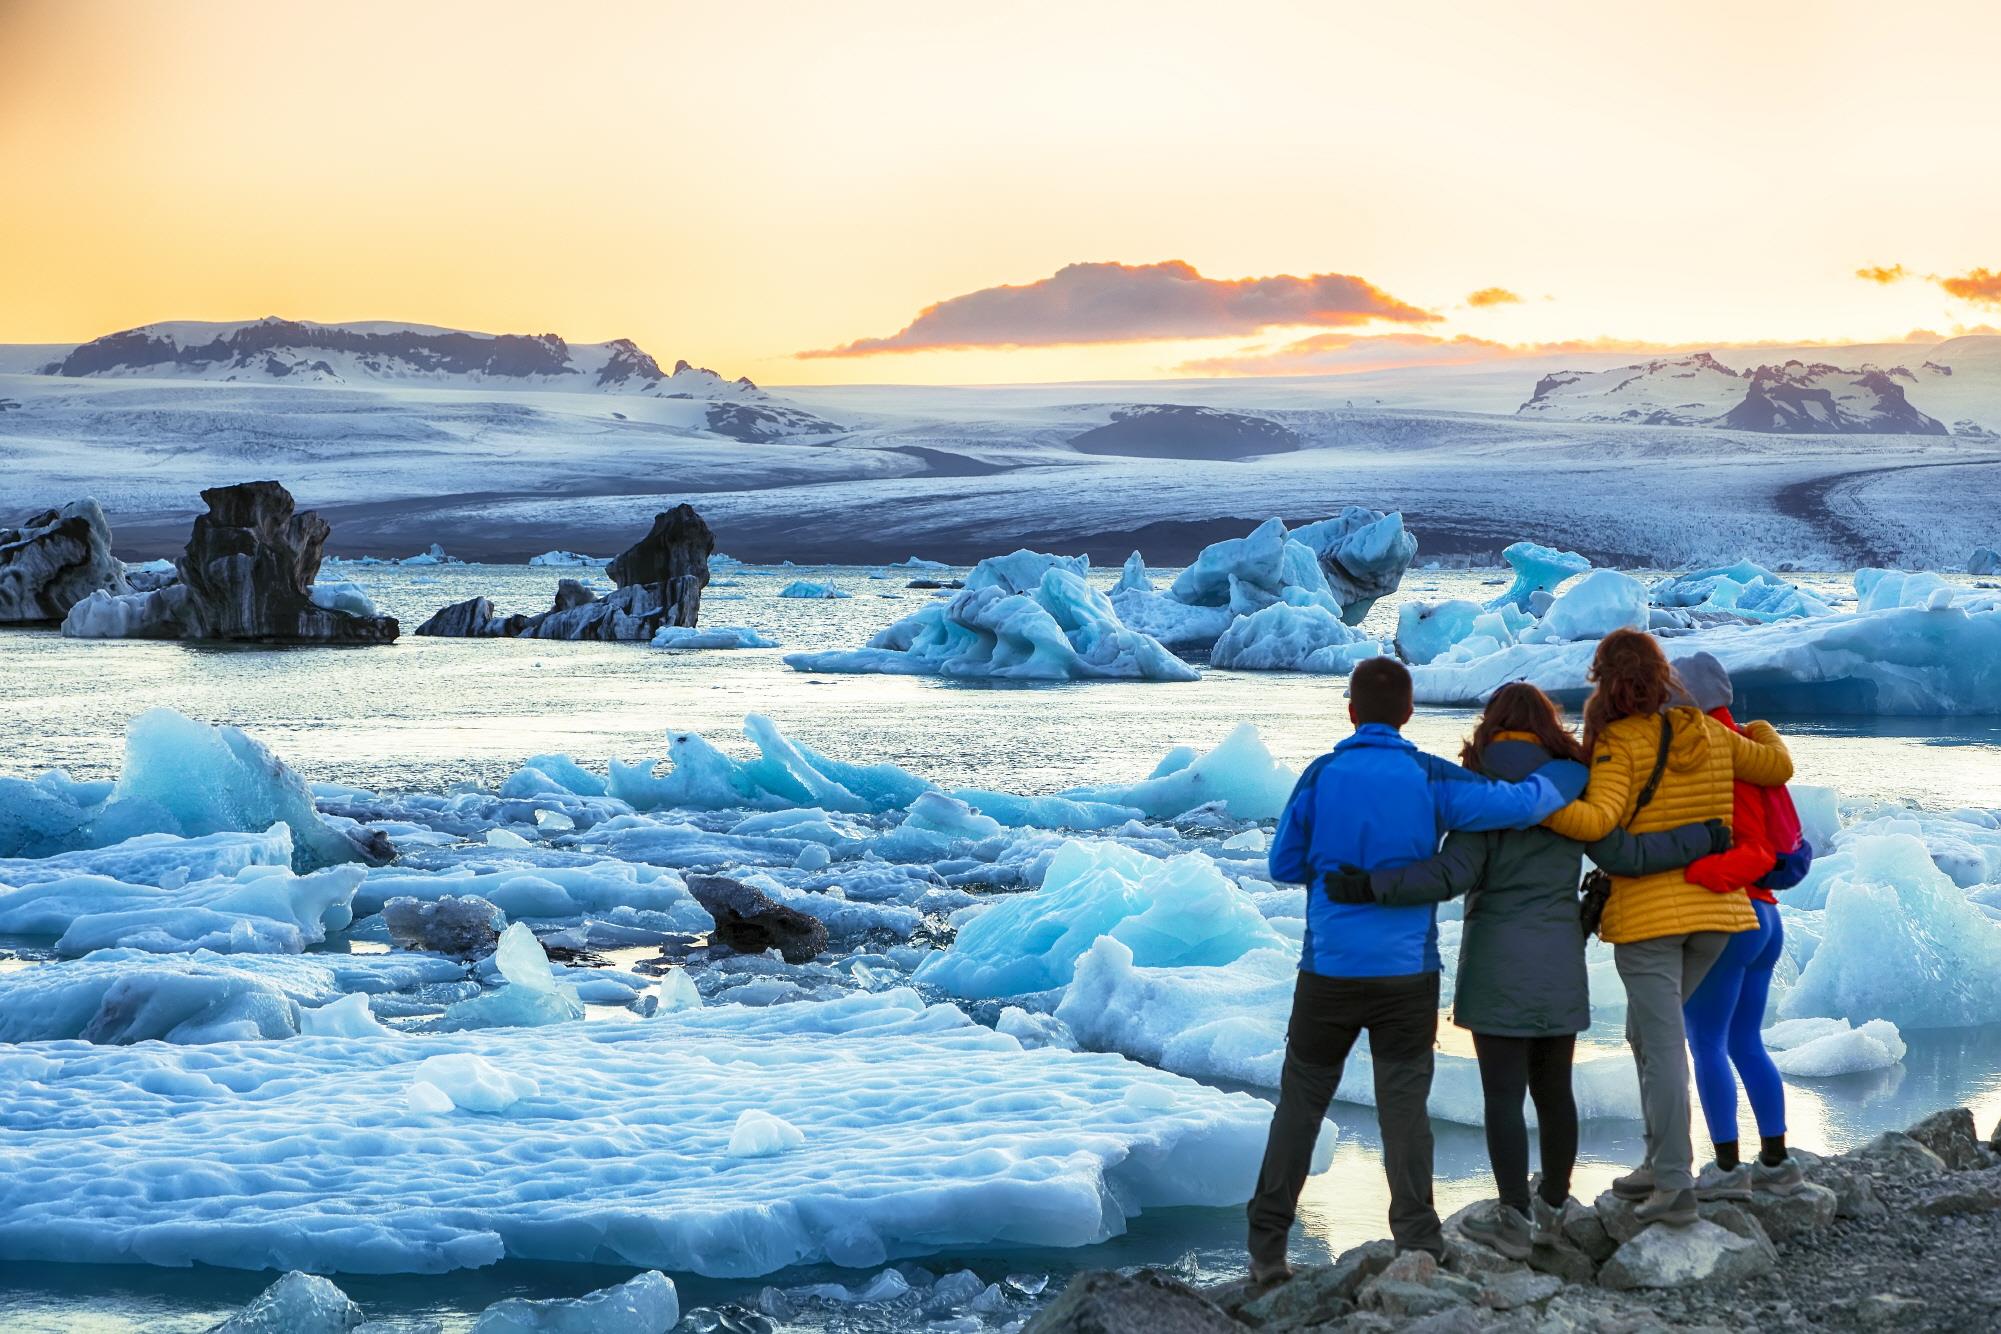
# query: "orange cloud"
1130,303
1978,285
1347,354
1876,273
1493,296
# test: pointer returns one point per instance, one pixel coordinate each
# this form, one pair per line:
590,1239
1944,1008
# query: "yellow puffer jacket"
1703,760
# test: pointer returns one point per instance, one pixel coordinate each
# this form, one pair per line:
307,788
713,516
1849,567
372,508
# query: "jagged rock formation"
56,560
660,580
247,575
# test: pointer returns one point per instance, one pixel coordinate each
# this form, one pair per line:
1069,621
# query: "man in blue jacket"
1376,801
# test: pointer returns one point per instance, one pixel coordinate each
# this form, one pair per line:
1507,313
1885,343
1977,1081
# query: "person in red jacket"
1725,1014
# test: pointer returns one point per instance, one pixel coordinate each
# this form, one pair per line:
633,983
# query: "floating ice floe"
1021,617
1593,607
1291,637
1006,1147
1427,631
343,595
180,777
1940,658
1538,569
710,636
806,588
530,995
569,558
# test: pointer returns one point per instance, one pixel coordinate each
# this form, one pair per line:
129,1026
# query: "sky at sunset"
935,192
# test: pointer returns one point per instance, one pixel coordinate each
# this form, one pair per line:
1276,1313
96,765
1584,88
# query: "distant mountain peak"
1698,390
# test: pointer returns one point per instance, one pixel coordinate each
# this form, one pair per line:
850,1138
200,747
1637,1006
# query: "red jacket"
1751,854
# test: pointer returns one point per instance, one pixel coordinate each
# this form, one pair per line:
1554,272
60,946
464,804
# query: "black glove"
1349,886
1719,836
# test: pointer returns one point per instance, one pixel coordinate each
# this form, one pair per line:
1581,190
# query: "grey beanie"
1706,681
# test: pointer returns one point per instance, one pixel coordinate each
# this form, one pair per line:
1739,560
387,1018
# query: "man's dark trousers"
1400,1015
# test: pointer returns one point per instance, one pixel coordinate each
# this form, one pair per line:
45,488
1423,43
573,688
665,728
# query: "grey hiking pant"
1659,975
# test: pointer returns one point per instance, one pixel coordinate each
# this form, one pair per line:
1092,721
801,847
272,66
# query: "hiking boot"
1548,1220
1676,1208
1635,1185
1785,1179
1500,1227
1266,1277
1724,1183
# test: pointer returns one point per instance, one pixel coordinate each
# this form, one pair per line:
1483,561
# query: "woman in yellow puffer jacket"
1665,931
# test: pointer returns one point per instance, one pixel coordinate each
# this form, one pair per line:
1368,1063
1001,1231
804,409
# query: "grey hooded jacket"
1521,957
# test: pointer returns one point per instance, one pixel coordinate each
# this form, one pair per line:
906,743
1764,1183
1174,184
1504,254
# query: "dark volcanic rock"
660,579
749,921
247,575
1149,1302
56,560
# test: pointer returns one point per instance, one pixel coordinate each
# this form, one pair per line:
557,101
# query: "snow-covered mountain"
1789,397
302,352
376,354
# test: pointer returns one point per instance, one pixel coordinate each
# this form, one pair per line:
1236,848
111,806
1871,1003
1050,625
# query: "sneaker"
1500,1227
1548,1221
1721,1183
1676,1208
1784,1179
1635,1185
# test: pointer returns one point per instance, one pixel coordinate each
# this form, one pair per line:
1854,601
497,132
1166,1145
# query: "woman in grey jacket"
1521,986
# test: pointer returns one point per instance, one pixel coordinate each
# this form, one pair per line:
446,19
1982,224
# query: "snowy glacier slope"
509,470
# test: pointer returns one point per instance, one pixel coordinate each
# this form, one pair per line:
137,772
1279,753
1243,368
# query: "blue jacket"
1376,802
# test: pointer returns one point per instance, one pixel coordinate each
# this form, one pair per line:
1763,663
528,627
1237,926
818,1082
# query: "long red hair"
1632,679
1520,707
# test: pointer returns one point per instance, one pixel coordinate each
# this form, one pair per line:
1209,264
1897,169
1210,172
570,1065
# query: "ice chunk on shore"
1058,628
1823,1048
710,637
1182,910
647,1304
806,588
471,1083
1538,569
1006,1148
162,999
298,1303
1908,661
1899,941
1286,637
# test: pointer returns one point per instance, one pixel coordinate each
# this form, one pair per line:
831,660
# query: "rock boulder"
749,921
56,560
1148,1302
1677,1257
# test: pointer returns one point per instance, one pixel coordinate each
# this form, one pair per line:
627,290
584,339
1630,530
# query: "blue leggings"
1724,1018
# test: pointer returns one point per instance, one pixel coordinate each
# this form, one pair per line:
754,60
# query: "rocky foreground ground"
1902,1233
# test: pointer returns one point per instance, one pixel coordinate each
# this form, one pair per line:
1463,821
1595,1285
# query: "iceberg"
1021,617
1007,1148
1744,589
1914,661
806,588
1427,631
1538,569
1363,553
1593,607
1899,941
1824,1048
260,909
571,558
1289,637
1984,561
183,778
530,995
158,1000
1183,910
710,636
1240,774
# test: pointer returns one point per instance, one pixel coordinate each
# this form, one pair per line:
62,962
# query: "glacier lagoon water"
427,714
